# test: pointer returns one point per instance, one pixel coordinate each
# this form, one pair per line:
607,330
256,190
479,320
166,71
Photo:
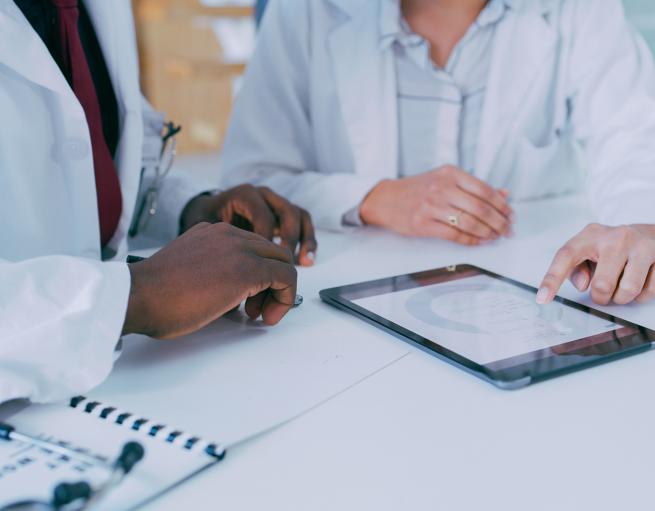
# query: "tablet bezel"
514,372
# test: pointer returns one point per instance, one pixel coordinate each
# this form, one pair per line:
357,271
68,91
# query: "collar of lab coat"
367,85
23,50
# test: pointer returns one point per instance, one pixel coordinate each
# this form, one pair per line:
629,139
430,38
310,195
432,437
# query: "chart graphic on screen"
484,319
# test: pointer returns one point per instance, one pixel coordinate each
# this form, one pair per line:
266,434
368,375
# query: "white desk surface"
424,435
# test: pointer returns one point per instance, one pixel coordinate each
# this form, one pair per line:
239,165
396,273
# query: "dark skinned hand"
261,211
206,272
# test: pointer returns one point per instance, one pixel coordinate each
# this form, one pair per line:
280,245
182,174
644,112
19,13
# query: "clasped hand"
213,266
422,206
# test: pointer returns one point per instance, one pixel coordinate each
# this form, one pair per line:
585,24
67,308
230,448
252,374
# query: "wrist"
137,315
370,206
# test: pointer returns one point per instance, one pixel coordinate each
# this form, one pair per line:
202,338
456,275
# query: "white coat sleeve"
269,141
612,83
61,320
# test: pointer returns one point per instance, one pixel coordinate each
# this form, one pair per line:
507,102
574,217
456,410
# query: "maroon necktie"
76,69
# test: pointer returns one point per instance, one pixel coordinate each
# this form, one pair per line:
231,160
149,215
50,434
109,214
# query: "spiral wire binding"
147,427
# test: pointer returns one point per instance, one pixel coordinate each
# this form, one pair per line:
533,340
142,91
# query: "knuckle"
550,278
294,219
201,226
246,187
449,172
222,227
434,188
566,252
630,288
602,285
622,235
592,227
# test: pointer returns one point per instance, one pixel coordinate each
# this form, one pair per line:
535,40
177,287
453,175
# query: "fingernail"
311,256
579,281
543,295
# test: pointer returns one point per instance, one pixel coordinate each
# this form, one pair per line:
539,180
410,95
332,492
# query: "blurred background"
193,54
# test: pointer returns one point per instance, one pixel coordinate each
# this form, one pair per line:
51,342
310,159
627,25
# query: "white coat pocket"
544,171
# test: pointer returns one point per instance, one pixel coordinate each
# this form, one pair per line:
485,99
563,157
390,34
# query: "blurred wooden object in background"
183,69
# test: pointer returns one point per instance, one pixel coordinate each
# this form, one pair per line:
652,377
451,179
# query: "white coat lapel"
366,86
114,27
524,40
22,50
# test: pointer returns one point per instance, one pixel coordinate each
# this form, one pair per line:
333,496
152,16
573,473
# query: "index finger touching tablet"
565,261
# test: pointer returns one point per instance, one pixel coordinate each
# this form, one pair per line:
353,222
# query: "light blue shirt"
439,110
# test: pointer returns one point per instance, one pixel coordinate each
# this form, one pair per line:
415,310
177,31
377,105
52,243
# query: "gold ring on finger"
454,219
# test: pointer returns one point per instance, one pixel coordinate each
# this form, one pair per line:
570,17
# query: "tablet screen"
484,319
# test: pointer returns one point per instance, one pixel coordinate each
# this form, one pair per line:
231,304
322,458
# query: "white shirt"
439,110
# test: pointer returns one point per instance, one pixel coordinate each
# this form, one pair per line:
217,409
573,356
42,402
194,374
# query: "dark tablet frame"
511,373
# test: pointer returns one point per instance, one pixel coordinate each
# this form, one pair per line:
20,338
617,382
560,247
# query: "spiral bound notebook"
99,431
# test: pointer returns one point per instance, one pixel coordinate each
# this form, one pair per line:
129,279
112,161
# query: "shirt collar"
393,27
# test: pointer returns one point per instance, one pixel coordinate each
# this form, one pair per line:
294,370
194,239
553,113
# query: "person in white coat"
75,135
427,116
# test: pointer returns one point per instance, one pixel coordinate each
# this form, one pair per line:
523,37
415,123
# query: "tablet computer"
491,325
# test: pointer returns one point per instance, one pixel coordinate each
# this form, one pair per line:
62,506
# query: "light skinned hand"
616,263
260,210
206,272
421,206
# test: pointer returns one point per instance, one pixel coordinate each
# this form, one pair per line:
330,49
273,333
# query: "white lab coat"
570,97
61,307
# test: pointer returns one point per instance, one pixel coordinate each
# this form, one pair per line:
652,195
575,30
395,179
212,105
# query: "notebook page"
237,378
163,465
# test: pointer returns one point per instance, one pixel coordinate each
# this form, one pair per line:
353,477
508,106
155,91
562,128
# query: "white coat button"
77,149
